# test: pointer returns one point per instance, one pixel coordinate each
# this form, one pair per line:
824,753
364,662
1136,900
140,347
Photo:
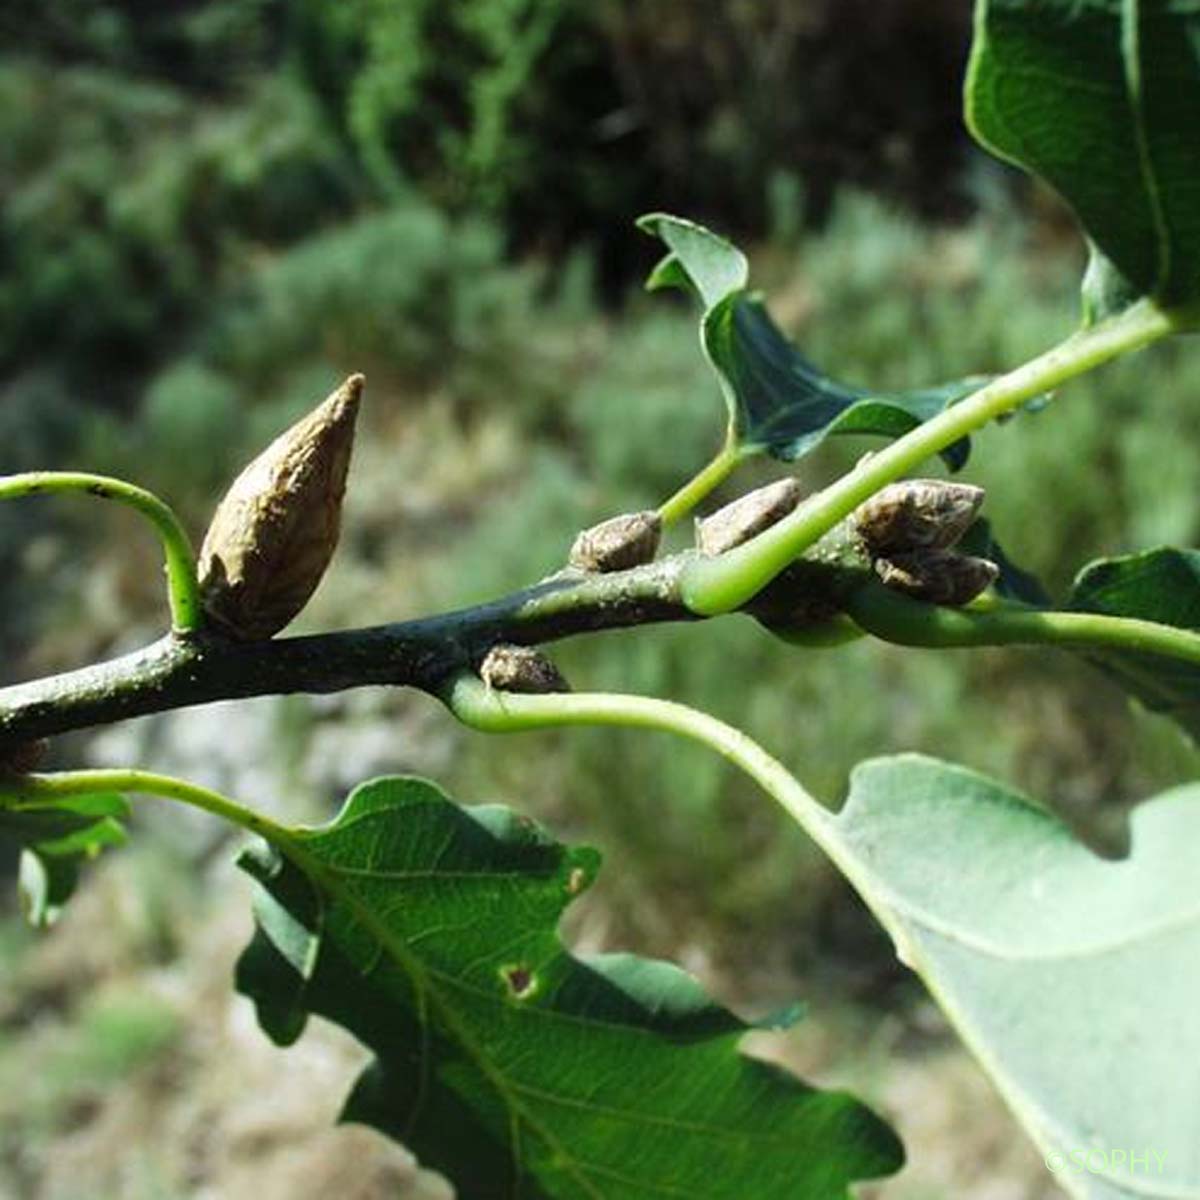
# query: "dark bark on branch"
179,672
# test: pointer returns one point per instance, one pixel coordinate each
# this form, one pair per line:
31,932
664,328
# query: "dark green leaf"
520,1071
1073,978
1102,100
55,841
1157,585
783,404
779,402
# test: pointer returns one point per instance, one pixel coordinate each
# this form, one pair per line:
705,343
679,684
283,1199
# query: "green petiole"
896,618
702,483
492,711
40,791
183,589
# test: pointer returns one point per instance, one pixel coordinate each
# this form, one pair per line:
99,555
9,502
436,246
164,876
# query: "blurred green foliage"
152,157
561,117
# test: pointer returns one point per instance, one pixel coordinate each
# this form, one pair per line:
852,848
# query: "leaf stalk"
896,618
706,480
45,790
183,588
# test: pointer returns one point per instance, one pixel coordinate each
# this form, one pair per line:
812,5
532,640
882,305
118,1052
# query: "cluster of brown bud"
909,529
275,531
747,516
510,668
618,543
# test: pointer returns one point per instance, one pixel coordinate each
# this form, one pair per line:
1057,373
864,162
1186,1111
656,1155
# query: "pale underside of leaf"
1073,978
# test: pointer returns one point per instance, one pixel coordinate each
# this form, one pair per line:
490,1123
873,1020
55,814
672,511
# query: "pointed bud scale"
938,576
746,517
520,669
618,544
917,514
275,531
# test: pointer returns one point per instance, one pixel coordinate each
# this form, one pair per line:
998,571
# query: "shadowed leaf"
779,402
1102,100
1157,585
55,842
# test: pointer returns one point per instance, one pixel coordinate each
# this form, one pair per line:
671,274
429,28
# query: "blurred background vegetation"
212,212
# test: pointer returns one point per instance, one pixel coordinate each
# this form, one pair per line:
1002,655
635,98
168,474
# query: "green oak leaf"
520,1071
1160,585
1101,98
1073,978
779,402
56,840
697,258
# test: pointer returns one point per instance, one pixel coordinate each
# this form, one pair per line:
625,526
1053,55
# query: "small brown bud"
746,517
520,669
275,531
618,544
23,757
938,576
917,514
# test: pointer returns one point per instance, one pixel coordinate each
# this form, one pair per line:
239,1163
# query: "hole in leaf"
520,980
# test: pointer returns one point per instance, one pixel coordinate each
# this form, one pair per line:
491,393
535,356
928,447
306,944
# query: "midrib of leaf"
1048,1131
426,979
908,924
455,983
327,878
1131,50
674,1124
616,1176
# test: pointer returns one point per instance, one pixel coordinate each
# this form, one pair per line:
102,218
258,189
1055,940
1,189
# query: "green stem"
716,585
183,590
39,791
492,711
896,618
712,476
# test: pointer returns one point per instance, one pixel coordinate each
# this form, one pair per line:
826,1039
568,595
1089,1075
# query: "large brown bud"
938,576
917,514
275,531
